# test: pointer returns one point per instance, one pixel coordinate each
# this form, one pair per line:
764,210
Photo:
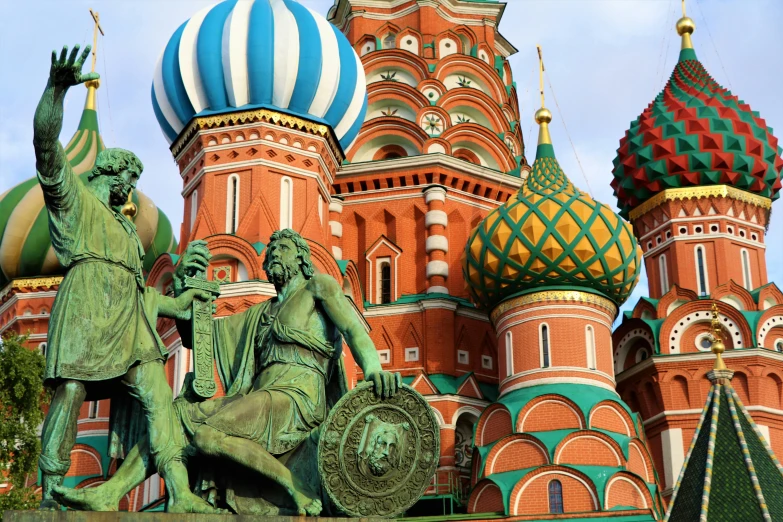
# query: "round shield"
377,456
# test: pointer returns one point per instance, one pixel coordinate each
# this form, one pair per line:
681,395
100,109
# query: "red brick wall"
534,498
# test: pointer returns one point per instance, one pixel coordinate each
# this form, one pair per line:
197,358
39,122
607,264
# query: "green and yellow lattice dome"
25,245
550,235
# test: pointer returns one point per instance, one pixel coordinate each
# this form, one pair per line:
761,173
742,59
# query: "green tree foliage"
22,398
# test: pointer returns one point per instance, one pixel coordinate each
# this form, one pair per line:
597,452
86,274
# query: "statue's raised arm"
65,72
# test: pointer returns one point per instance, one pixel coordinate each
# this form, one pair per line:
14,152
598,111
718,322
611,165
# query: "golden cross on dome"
683,9
540,74
716,336
97,19
542,115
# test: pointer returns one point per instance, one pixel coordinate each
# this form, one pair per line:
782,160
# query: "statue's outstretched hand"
386,383
66,71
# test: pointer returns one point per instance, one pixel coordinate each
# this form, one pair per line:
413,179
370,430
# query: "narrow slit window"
509,355
544,346
590,341
746,270
702,269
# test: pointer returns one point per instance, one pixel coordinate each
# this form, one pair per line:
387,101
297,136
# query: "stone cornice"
29,283
553,296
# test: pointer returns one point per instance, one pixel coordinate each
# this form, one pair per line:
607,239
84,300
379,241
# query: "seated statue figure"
280,364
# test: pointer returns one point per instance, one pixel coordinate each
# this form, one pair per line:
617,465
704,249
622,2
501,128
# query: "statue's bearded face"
384,448
121,184
282,262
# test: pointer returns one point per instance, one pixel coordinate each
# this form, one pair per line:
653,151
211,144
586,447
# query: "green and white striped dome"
25,245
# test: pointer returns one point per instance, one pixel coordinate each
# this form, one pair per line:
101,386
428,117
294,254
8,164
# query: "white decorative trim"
336,228
770,323
625,345
232,204
521,424
435,193
286,203
673,454
631,482
501,324
436,242
437,268
613,410
673,342
437,290
337,252
436,217
336,206
696,249
557,380
511,443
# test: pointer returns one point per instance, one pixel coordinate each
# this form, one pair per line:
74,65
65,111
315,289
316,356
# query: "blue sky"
605,59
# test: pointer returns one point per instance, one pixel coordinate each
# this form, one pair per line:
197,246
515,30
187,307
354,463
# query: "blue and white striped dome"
246,54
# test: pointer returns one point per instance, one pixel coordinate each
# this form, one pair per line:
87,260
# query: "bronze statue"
280,363
102,327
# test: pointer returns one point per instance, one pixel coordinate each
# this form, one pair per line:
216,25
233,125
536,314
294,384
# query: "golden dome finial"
543,115
685,27
129,209
716,336
92,85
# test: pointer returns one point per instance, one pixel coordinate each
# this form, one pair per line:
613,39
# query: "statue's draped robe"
280,383
103,318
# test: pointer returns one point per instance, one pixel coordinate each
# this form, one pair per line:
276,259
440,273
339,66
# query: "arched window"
748,282
590,342
509,355
93,412
286,203
383,292
555,497
544,346
386,283
701,270
193,208
779,345
42,348
388,41
232,204
664,274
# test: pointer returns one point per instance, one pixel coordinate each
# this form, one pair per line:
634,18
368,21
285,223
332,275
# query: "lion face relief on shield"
381,447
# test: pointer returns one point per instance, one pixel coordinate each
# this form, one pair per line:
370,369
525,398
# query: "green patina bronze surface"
256,449
101,331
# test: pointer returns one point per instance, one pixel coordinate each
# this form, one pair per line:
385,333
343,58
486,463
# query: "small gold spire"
716,336
543,116
685,27
129,209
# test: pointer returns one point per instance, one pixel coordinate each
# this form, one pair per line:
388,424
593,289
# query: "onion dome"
25,245
550,235
274,54
695,133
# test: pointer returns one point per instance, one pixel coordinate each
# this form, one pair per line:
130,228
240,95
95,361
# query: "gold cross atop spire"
685,27
97,19
716,336
543,115
93,85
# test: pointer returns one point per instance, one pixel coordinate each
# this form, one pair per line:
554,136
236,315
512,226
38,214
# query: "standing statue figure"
102,327
281,366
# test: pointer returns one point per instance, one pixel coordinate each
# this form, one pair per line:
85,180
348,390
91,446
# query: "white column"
336,226
673,455
437,244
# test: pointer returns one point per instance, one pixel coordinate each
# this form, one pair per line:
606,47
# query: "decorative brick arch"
770,294
478,100
415,65
640,460
324,260
514,452
736,292
626,489
485,498
696,312
85,460
239,249
399,130
163,266
484,139
579,492
355,283
550,412
589,448
476,469
456,63
632,332
674,294
769,320
772,388
401,92
466,32
495,423
436,110
610,416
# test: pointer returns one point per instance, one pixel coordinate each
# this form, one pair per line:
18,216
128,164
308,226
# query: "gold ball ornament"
543,115
129,209
685,25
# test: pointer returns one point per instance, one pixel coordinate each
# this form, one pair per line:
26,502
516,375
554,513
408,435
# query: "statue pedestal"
85,516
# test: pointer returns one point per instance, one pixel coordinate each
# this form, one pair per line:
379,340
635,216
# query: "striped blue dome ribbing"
245,54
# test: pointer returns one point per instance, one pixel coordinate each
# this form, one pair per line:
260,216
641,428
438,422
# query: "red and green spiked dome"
25,245
695,133
550,235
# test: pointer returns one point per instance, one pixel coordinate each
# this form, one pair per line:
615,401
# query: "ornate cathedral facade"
388,134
